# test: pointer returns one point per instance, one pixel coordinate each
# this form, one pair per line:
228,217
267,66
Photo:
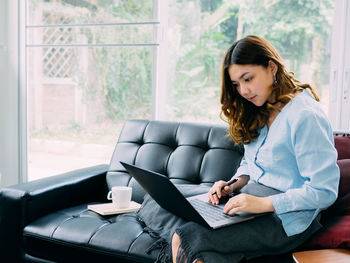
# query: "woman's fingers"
248,203
215,192
232,206
226,190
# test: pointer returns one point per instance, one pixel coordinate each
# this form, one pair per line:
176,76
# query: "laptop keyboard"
209,211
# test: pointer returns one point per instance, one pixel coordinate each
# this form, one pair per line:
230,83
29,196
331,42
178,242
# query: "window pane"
91,12
79,97
131,34
201,31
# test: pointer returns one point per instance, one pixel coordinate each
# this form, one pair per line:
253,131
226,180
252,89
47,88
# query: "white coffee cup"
120,196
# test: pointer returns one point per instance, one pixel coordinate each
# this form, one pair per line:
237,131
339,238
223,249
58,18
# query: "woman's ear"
273,67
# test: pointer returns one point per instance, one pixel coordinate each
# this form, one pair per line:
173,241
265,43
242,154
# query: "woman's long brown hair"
244,118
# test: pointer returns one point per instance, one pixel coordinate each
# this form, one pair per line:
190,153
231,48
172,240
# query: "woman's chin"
257,103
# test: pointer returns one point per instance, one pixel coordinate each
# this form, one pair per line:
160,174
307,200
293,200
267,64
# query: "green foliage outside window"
199,33
300,30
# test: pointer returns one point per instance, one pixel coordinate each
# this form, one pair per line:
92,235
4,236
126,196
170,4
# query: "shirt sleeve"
242,169
312,140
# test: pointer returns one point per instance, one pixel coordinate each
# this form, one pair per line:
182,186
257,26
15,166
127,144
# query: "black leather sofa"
47,220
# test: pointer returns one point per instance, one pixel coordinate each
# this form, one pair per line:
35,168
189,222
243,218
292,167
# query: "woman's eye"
248,79
235,85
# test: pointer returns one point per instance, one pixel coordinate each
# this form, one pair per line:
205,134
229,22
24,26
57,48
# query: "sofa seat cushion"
69,232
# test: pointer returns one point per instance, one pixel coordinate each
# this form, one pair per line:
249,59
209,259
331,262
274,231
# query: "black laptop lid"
164,192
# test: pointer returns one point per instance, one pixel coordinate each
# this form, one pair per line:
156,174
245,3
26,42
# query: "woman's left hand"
248,203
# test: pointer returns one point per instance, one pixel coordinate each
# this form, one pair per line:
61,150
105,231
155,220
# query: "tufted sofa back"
187,153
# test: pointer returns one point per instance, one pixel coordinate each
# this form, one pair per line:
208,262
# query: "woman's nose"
245,90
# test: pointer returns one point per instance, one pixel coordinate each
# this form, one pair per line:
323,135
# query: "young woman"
289,166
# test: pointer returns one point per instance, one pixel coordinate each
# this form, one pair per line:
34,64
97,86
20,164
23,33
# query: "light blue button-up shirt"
296,155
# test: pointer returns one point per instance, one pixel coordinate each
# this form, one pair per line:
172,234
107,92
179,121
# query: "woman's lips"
252,98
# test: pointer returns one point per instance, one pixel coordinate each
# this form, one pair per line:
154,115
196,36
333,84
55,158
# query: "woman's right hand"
221,189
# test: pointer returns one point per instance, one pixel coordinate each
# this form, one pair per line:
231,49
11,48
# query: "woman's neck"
278,106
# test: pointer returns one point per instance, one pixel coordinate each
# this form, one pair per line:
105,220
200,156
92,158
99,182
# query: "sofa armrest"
22,203
43,196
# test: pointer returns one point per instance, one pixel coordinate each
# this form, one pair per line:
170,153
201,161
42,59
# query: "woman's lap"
260,236
263,235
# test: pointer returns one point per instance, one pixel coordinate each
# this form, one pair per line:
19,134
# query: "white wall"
9,135
339,99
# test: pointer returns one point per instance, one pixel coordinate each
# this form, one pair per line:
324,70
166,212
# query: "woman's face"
252,82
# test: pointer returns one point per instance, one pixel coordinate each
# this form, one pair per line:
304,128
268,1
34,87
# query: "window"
89,67
92,64
201,31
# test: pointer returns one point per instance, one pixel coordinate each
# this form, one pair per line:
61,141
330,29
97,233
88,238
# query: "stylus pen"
228,184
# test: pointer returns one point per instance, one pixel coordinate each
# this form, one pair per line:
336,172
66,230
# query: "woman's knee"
175,239
175,243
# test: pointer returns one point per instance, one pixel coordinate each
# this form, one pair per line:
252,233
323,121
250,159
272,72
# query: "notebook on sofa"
195,208
110,208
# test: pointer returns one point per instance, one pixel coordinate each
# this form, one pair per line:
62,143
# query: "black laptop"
195,208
